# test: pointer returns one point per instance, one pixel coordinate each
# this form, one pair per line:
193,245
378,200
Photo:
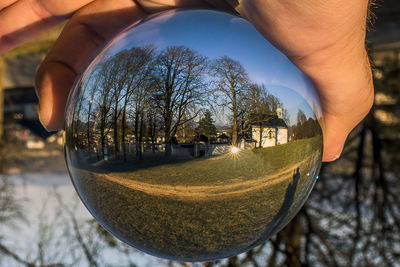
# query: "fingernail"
332,157
44,120
337,156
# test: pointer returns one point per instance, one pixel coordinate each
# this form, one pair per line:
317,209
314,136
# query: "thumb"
335,133
53,82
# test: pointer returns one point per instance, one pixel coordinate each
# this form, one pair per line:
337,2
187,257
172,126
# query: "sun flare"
234,150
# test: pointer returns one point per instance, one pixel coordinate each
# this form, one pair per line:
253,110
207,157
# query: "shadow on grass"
276,224
190,229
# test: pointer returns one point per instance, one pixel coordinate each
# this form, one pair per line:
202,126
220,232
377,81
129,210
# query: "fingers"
335,136
160,5
346,100
26,19
152,6
6,3
86,31
325,39
337,128
82,36
52,89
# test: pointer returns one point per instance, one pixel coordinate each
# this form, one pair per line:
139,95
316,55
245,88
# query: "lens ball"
190,137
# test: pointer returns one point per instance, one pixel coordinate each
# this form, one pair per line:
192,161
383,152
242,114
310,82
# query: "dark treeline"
148,97
304,128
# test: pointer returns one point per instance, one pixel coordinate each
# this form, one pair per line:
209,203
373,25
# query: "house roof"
272,121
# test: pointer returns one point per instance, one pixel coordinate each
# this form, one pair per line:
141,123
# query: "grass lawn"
208,223
243,166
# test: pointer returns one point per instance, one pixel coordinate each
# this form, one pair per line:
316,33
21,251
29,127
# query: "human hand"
324,39
91,23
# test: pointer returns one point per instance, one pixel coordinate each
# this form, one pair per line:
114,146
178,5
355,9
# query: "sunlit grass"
242,165
190,226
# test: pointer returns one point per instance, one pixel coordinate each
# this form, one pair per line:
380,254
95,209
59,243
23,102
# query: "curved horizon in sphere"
190,137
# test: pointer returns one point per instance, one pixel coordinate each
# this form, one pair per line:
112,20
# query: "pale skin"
324,38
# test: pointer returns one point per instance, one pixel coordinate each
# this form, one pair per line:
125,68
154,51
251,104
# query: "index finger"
6,3
23,20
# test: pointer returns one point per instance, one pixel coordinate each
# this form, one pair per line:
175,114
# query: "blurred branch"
313,229
357,185
88,254
11,254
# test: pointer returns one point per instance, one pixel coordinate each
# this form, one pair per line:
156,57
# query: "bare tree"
301,117
104,101
90,90
154,122
130,91
232,85
140,91
179,87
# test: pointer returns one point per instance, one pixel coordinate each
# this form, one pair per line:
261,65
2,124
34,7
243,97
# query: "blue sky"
214,34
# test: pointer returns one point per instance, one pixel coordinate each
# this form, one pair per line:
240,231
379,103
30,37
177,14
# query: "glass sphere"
190,137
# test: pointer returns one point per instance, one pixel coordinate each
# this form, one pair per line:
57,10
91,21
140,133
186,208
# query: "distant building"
223,138
271,131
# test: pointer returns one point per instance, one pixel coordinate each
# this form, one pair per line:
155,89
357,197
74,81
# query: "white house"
271,131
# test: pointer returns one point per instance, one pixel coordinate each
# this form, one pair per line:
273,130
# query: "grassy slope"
246,165
191,228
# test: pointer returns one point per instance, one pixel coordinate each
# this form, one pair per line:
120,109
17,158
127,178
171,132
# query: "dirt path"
212,191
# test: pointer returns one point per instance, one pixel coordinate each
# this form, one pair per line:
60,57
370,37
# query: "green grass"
288,154
190,228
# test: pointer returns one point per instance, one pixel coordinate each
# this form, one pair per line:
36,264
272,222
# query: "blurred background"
351,219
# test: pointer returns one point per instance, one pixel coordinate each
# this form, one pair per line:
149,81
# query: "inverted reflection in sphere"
190,137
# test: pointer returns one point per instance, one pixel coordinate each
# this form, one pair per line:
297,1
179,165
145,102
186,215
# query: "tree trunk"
137,137
125,142
152,128
235,123
116,141
168,135
123,133
103,141
141,133
292,235
88,130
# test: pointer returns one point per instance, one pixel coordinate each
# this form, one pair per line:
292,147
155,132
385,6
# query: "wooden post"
2,81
